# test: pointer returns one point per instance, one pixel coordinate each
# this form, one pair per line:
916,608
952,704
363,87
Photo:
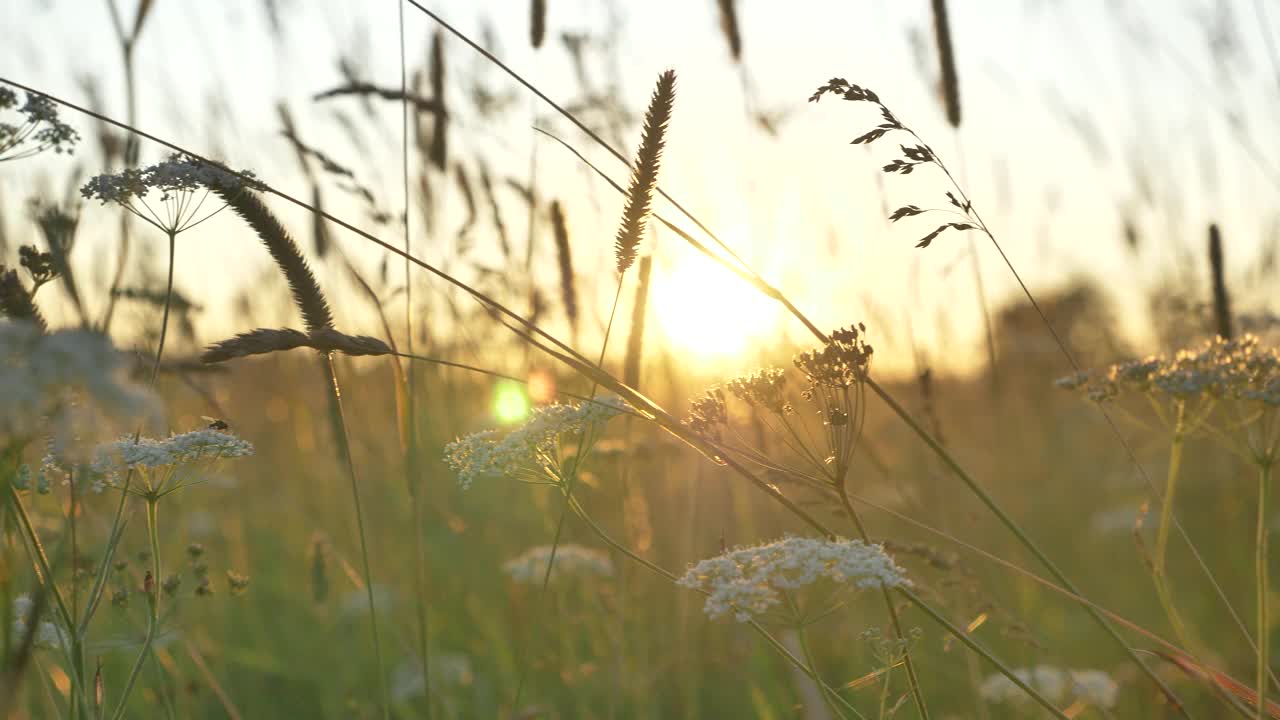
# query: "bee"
215,423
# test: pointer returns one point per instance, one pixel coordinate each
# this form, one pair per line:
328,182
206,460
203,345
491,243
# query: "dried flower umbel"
532,452
183,182
530,567
39,128
750,581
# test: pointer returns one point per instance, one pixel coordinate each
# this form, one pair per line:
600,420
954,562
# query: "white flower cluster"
1058,685
531,450
58,377
749,581
188,448
178,174
1219,368
47,634
530,567
39,130
160,460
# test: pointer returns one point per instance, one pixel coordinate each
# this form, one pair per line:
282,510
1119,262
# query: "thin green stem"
164,319
1264,587
913,679
1159,561
153,606
823,689
345,442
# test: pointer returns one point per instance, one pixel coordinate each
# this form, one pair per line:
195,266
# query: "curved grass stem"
153,606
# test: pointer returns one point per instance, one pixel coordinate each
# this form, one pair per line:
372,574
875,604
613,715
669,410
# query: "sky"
1076,115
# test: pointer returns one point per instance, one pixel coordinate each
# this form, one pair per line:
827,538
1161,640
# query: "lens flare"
510,403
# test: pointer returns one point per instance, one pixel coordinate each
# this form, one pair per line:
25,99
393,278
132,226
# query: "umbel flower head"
167,464
530,567
531,452
53,383
763,388
842,362
1058,685
38,130
1224,369
183,182
749,581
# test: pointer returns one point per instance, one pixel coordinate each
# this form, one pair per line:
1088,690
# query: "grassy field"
450,461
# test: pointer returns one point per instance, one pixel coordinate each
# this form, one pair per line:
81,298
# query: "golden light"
510,403
702,309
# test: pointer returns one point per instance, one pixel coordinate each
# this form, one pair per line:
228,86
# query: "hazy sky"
1075,114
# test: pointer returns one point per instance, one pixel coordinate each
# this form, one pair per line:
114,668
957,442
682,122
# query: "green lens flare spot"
510,403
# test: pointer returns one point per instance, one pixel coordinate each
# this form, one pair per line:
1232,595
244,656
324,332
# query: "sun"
702,309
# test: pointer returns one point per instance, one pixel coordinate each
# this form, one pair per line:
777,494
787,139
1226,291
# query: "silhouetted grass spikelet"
568,290
16,302
268,340
537,22
729,26
302,283
947,61
439,152
635,341
644,177
1221,301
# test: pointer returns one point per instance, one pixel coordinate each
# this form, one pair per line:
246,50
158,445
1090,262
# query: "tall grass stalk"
345,441
152,590
1159,561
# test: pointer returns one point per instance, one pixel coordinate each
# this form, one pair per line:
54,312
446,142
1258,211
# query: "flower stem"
1158,562
825,691
153,606
345,442
164,319
1264,587
913,678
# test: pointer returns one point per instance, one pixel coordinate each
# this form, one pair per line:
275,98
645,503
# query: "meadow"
458,451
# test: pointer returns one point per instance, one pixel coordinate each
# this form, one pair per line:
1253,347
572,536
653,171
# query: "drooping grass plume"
267,340
433,105
635,342
729,26
537,22
568,288
1221,301
947,61
644,177
302,283
468,199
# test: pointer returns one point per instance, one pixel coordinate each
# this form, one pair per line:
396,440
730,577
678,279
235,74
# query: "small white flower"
160,461
749,581
47,635
178,179
1058,685
531,451
530,567
39,130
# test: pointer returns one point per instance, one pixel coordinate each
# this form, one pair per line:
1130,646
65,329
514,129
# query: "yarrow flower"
47,635
531,452
530,567
178,179
169,463
39,130
1058,685
1224,369
747,582
63,382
